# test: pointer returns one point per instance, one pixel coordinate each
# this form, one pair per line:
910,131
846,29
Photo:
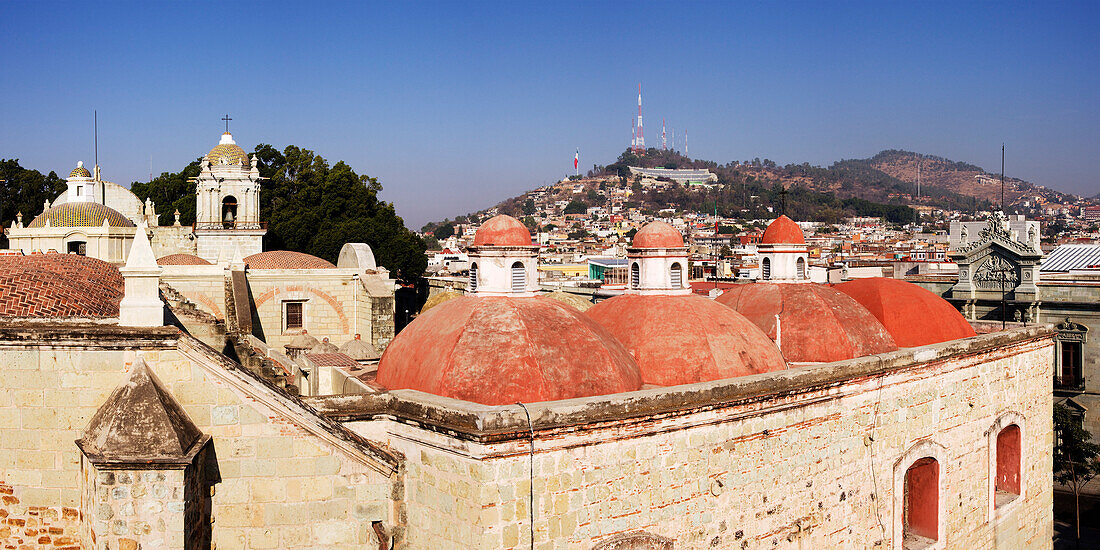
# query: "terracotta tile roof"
286,259
81,214
332,360
182,259
58,285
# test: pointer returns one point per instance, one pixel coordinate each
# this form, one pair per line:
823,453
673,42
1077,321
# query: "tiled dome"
286,259
81,214
80,171
227,153
58,285
658,234
498,350
686,339
783,231
913,315
182,259
817,324
502,230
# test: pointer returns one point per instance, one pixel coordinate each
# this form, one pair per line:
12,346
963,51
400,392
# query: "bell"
228,216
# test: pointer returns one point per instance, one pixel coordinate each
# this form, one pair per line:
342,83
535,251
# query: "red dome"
286,259
58,285
913,315
658,234
502,230
819,324
783,231
498,350
181,259
686,339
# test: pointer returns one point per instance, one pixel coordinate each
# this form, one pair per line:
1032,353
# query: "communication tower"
639,133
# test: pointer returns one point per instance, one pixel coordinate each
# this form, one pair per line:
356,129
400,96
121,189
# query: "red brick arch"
261,299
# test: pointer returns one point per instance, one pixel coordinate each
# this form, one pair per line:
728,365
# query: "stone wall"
173,239
288,478
807,458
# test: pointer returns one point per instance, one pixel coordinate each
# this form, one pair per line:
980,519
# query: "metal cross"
226,119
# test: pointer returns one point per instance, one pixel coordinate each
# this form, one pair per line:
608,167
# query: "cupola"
657,260
783,253
677,337
914,316
81,185
503,260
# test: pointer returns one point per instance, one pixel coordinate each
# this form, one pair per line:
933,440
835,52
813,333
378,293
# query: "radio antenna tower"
664,141
685,143
639,133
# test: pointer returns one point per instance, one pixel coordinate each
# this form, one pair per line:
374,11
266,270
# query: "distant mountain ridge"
888,179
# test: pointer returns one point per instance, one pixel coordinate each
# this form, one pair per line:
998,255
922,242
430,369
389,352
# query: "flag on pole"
577,160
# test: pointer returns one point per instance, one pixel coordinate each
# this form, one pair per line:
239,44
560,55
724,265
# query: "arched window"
676,276
1007,483
922,502
800,266
229,211
473,278
519,277
766,268
635,275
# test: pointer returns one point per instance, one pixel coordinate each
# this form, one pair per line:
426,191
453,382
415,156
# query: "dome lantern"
503,260
784,256
658,261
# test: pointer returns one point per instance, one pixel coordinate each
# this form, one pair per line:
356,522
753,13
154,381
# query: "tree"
1076,460
24,191
529,207
315,208
726,251
576,207
445,230
171,192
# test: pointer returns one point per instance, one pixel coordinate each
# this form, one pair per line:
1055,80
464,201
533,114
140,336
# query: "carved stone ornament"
995,273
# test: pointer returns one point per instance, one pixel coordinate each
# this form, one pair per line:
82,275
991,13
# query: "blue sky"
457,107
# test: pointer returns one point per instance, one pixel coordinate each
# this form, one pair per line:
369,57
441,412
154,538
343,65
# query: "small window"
801,268
922,503
78,247
1069,366
79,190
295,317
519,277
676,275
635,276
766,268
1007,483
473,277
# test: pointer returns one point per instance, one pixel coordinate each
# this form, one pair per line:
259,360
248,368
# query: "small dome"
324,346
182,259
818,324
499,350
303,341
502,230
438,298
58,285
81,214
227,153
658,234
80,171
687,339
286,259
783,231
913,315
360,350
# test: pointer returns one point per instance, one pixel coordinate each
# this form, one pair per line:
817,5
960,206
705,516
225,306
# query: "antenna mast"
639,133
1002,177
664,141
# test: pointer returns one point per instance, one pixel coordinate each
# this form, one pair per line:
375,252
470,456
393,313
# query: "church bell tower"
227,212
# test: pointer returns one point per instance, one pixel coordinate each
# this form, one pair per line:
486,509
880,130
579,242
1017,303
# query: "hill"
883,185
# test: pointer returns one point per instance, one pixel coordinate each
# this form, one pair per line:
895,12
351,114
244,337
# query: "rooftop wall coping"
82,334
488,424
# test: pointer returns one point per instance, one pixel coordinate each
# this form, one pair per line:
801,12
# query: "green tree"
1076,460
529,207
24,191
445,230
576,207
315,208
170,192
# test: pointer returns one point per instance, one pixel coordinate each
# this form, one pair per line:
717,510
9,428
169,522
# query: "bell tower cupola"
227,211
